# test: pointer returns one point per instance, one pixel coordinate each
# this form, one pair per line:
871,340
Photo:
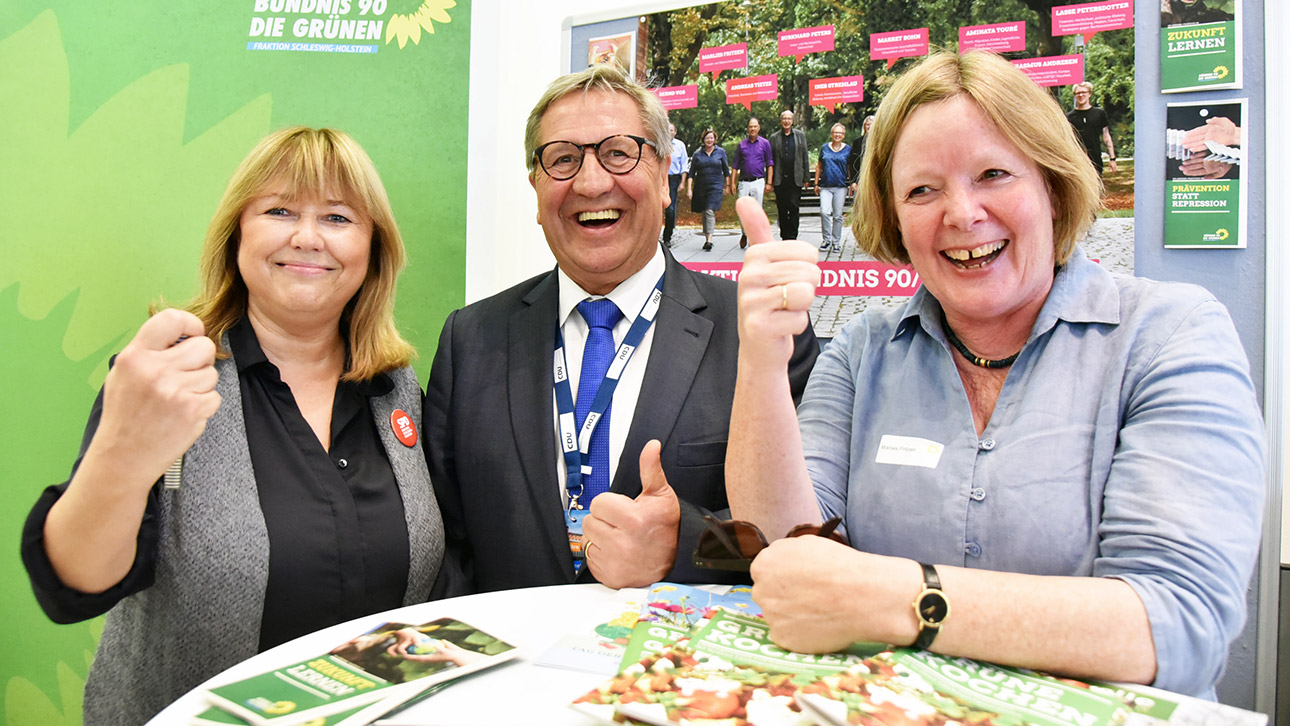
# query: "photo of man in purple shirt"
753,163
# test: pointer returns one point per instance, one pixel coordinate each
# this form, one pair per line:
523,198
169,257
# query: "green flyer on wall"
1205,197
1200,45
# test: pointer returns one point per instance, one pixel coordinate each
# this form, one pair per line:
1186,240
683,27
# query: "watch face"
932,607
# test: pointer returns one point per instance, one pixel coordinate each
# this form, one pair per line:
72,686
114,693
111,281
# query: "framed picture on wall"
620,49
719,65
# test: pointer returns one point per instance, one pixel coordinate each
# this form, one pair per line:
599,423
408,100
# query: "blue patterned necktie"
601,316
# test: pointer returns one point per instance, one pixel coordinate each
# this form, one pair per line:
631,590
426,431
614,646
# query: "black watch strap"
931,607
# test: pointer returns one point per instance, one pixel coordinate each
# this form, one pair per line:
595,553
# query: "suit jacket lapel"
681,338
531,341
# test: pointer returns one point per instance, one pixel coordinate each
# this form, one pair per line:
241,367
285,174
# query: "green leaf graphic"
101,220
47,400
27,704
118,206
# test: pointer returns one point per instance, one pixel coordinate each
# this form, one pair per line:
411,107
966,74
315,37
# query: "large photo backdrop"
120,124
717,64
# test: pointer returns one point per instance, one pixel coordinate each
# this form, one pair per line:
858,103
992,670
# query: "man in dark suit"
499,400
788,149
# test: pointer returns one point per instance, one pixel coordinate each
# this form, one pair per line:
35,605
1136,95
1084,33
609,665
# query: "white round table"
520,691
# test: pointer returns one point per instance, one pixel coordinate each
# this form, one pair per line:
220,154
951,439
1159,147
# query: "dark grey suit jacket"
488,419
799,162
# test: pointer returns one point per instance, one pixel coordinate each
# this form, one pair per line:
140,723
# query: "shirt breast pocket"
1046,491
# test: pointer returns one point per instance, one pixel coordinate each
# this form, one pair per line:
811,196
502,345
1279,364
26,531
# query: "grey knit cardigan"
202,614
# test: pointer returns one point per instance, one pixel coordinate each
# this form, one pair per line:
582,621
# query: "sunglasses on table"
732,544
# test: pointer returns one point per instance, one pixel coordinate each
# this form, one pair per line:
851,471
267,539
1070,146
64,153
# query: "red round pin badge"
404,429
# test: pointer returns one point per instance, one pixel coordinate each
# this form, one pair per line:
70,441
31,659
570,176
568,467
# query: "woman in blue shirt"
831,185
709,171
1059,467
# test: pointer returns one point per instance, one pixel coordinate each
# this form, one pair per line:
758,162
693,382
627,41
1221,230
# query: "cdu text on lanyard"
574,442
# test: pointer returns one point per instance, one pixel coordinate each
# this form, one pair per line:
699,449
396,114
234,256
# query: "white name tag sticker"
908,451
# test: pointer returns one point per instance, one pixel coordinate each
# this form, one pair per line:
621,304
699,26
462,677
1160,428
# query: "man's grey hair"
607,77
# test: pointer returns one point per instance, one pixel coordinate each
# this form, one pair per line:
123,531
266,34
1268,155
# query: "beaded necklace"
971,357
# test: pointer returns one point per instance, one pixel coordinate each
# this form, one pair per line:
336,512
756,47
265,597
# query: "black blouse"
338,541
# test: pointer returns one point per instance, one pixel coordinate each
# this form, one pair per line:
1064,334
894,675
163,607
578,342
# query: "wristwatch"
931,607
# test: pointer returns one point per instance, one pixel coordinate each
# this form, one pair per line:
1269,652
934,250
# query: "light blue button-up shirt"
1126,442
680,160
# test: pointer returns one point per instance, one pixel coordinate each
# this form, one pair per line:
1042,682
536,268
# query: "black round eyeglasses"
617,154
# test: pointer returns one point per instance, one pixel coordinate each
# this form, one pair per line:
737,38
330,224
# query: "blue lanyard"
574,442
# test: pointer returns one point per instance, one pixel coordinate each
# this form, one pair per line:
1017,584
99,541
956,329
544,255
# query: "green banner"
121,124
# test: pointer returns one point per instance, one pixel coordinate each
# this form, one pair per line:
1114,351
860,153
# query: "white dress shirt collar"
629,296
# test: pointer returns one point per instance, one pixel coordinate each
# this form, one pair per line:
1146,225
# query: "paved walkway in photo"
1109,241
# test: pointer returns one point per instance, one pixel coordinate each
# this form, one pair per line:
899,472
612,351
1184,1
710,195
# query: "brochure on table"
369,675
729,670
671,607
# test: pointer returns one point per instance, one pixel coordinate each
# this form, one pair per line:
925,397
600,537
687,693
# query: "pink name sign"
999,37
838,278
678,96
829,92
866,278
743,91
800,41
1055,70
897,44
1089,18
723,58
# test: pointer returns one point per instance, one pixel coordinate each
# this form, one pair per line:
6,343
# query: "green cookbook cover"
389,663
729,672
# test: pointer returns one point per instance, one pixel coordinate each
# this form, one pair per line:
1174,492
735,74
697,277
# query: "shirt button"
978,494
342,463
986,444
973,549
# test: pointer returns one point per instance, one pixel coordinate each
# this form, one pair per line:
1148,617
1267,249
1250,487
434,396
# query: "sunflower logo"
1221,234
408,26
1219,71
277,708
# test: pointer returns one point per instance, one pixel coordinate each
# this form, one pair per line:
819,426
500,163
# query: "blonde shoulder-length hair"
311,162
1022,111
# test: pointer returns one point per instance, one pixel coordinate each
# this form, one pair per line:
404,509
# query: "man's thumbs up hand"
632,542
